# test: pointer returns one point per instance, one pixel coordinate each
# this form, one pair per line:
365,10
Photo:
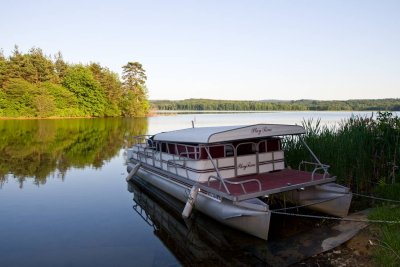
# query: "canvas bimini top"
207,135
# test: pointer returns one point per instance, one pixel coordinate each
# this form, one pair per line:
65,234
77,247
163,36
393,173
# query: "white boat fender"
132,172
190,202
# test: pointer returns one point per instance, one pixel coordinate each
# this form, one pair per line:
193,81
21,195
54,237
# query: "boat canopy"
207,135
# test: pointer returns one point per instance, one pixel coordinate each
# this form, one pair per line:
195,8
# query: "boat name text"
244,166
259,130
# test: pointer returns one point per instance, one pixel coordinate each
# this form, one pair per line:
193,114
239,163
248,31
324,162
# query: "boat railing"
146,153
175,163
223,182
143,139
143,214
187,155
180,158
317,167
146,147
183,159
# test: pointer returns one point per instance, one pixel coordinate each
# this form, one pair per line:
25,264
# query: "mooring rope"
326,200
377,198
310,204
333,218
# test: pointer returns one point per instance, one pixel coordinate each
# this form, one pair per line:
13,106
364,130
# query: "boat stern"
330,198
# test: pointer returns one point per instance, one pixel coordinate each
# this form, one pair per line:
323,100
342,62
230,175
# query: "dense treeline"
35,85
208,104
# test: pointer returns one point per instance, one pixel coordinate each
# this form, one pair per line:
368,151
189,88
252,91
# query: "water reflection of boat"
198,242
228,173
201,241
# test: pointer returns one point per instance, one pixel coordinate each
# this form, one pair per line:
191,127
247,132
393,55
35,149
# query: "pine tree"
3,69
135,92
43,66
19,66
60,66
133,75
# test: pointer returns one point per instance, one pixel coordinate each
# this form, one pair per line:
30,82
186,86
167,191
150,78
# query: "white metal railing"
143,139
147,148
317,167
241,183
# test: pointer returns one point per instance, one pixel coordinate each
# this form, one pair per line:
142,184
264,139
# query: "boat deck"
272,182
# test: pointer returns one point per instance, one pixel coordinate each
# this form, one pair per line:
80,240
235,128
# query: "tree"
3,69
19,98
42,65
33,67
112,87
91,99
133,75
132,106
65,102
60,66
19,66
32,84
44,104
135,101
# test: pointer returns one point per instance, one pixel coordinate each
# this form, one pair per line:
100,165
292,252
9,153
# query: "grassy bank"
364,154
387,242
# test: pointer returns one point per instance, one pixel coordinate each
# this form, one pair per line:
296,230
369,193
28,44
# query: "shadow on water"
202,241
39,149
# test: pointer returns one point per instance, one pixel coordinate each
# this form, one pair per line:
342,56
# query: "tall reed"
362,151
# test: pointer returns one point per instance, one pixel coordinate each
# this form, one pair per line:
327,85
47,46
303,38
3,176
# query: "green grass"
387,243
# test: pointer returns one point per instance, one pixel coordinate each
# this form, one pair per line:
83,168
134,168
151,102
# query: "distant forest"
222,105
36,85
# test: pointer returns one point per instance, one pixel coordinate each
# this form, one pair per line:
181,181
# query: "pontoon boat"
228,172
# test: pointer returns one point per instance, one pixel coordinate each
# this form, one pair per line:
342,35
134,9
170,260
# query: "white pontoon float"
226,172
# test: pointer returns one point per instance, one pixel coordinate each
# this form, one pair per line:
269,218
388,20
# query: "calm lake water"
64,200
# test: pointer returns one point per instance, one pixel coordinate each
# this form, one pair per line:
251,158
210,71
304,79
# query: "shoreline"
154,113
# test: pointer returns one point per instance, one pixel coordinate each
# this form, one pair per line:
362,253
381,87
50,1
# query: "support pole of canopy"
216,169
311,152
212,161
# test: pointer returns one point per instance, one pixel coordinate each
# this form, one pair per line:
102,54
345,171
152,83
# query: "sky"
223,49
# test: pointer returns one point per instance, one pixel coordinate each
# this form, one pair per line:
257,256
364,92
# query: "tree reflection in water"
39,149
